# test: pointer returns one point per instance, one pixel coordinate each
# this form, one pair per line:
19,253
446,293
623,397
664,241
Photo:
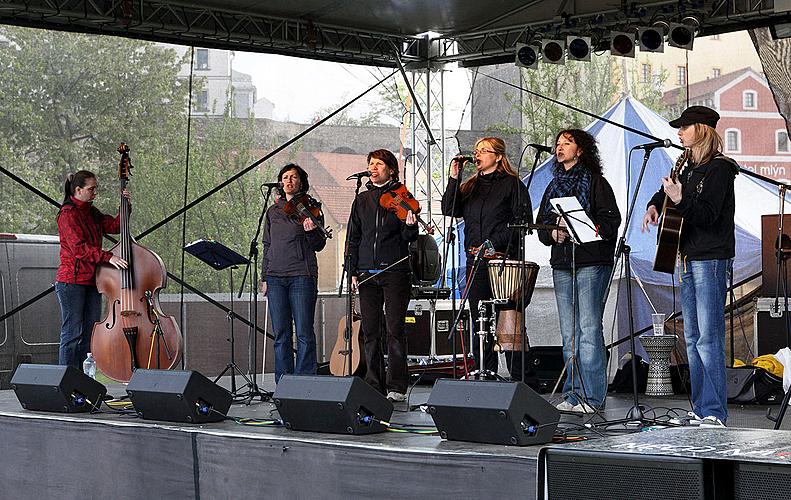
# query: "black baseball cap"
696,114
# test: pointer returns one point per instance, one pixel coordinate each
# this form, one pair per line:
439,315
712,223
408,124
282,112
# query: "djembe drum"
515,283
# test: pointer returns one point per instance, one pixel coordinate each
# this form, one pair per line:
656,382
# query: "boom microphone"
663,143
541,147
272,184
359,175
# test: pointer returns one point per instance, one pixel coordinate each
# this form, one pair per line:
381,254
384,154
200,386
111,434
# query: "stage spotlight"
681,36
553,52
622,44
579,48
651,39
526,56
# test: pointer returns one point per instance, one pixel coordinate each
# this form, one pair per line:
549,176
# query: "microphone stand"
520,227
622,251
346,275
451,238
252,260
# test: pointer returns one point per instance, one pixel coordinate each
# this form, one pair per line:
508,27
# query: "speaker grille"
575,474
761,481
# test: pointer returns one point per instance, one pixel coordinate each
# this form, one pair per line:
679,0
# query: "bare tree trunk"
774,56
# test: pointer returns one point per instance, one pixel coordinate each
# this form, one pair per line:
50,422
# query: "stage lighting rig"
622,44
578,48
682,35
553,51
651,39
526,56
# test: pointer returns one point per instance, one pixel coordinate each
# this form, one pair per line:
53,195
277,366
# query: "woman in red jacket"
80,227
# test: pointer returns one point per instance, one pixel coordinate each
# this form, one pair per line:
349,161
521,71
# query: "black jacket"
496,200
377,238
708,205
605,214
289,250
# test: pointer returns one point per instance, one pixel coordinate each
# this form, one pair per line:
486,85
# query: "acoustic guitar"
339,364
669,235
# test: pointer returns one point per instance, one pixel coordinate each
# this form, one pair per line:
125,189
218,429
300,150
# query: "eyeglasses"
92,188
482,151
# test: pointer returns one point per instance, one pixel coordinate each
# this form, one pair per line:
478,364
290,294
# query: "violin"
304,206
400,202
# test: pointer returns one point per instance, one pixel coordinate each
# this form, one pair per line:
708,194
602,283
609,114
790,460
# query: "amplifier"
422,339
769,326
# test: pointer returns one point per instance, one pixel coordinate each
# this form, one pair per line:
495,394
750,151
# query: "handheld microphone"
359,175
487,245
541,147
663,143
272,184
464,158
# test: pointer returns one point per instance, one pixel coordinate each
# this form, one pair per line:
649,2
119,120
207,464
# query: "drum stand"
481,373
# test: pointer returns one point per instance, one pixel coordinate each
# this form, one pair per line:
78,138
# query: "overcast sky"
300,87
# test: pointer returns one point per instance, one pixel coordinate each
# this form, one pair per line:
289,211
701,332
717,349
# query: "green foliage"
67,100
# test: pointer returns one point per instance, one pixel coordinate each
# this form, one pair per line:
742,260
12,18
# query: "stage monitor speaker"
761,480
341,405
57,388
491,412
177,396
570,474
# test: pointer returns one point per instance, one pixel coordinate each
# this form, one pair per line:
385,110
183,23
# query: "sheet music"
580,224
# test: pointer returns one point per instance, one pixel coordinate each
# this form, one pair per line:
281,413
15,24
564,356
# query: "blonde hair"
707,145
503,165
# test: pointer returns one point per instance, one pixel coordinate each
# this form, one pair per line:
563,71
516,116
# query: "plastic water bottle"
89,366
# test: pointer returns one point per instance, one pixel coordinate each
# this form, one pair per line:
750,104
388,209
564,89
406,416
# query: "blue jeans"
80,308
590,371
293,298
703,291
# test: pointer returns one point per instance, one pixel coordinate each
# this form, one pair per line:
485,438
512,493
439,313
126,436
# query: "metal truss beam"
182,23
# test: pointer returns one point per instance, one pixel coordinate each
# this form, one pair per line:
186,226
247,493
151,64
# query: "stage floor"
90,455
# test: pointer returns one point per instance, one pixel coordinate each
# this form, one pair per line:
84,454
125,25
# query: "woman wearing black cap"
704,195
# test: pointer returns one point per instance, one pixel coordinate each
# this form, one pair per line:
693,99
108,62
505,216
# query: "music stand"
220,257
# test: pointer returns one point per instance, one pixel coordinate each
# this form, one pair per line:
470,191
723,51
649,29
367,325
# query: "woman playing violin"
80,227
289,273
488,201
379,250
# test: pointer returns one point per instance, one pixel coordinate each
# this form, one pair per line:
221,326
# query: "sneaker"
396,397
584,408
693,418
565,406
711,421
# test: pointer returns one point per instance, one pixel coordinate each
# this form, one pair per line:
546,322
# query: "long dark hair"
304,185
388,158
590,151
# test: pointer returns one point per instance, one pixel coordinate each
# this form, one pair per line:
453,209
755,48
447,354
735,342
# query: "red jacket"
81,227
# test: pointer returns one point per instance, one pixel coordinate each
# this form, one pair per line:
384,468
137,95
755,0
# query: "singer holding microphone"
289,275
491,198
580,274
704,195
379,262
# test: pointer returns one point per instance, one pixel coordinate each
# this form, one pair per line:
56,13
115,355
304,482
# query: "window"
733,140
646,73
202,59
716,72
202,101
682,75
749,99
781,141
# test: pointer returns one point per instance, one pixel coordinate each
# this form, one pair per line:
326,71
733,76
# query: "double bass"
135,333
